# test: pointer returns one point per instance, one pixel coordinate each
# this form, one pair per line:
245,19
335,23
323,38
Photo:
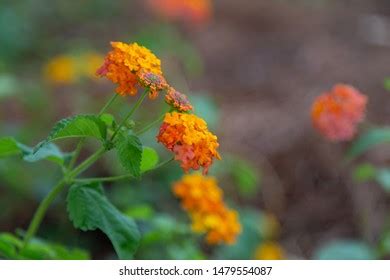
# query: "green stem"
135,107
85,164
40,213
108,104
150,125
80,144
120,177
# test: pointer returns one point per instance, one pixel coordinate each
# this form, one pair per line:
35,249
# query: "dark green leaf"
149,159
89,209
368,140
79,126
129,150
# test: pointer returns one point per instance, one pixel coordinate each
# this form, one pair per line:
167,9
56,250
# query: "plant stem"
108,104
120,177
40,212
135,107
44,205
150,125
80,144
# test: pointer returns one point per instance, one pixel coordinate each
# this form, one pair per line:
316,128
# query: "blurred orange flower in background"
336,114
192,11
203,199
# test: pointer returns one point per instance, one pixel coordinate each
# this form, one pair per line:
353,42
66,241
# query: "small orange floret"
189,138
125,62
203,199
192,11
336,114
178,100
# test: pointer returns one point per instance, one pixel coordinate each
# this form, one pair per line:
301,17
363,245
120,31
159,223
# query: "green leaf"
129,150
108,119
345,250
364,172
383,178
245,176
50,152
89,209
140,212
79,126
149,159
386,84
368,140
9,147
37,249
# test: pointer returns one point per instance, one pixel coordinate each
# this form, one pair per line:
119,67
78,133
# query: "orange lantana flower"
189,138
336,114
203,200
125,62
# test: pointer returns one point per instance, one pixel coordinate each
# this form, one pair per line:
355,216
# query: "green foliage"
140,212
89,209
345,250
11,247
108,119
9,147
368,140
79,126
386,84
245,176
149,159
129,150
383,178
364,172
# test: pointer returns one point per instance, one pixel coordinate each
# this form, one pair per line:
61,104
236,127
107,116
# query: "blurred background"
252,69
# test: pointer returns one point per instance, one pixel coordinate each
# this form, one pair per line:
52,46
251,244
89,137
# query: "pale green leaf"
79,126
345,250
369,140
383,178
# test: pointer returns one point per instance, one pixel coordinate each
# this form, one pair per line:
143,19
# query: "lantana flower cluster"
189,138
203,199
126,63
337,113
